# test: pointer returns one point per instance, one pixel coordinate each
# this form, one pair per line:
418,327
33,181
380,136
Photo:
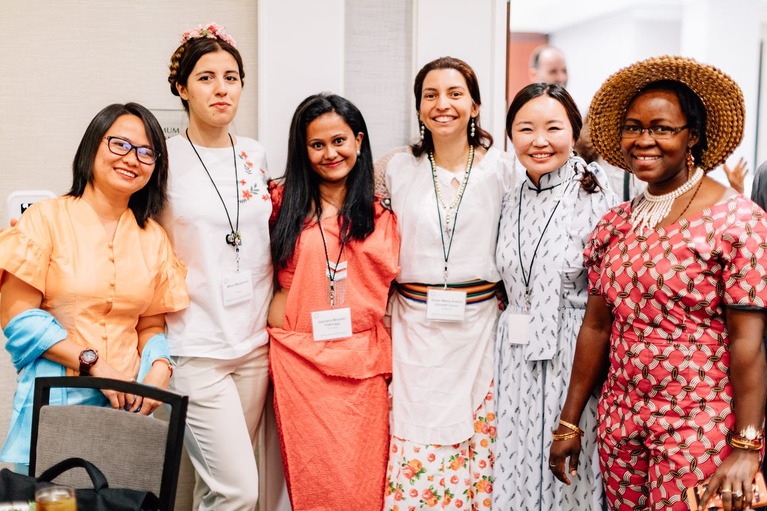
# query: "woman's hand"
560,451
158,376
118,400
733,480
736,175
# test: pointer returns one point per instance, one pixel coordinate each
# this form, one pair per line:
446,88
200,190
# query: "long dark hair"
692,108
148,201
589,182
301,198
481,137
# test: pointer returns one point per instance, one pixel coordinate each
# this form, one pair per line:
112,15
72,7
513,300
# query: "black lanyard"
446,251
331,271
234,238
526,278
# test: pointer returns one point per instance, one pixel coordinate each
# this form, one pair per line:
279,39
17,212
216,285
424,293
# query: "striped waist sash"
476,290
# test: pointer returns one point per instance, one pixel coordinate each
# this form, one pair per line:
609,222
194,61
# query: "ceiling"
547,16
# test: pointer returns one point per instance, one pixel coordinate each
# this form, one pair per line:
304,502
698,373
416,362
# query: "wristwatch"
751,434
88,359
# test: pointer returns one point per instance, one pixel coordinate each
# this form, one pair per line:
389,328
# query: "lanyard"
527,277
457,202
234,238
334,270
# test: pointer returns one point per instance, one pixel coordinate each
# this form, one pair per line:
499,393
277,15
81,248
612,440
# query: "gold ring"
725,491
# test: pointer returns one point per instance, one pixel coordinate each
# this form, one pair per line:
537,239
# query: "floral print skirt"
458,476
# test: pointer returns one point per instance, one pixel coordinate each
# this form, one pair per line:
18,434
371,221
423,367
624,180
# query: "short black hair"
148,201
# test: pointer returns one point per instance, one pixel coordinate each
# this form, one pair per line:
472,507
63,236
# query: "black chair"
132,450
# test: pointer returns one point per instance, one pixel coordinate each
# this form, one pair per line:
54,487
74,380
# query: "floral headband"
209,30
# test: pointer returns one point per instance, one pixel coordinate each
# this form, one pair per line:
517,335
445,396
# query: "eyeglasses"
121,147
657,132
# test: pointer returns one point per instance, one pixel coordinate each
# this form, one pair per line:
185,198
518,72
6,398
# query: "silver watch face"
89,356
749,433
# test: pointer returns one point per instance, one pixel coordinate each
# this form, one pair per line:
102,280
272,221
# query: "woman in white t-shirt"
217,219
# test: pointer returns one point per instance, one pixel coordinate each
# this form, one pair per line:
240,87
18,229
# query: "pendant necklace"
233,238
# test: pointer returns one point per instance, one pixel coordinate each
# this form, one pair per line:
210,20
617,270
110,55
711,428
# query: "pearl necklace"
654,208
450,210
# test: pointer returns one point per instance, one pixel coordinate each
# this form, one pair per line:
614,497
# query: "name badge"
518,328
332,324
445,304
237,287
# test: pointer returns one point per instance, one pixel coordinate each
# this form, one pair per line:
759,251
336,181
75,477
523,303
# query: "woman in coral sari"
335,249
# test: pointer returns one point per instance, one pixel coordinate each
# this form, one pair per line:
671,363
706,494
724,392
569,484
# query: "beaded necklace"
451,209
654,208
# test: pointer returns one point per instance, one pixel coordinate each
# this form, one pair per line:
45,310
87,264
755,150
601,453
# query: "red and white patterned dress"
667,405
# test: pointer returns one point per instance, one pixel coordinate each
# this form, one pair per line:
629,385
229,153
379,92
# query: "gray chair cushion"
128,448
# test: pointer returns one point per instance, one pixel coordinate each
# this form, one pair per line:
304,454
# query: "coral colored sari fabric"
331,397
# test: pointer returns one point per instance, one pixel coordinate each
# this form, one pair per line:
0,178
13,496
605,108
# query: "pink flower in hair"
211,31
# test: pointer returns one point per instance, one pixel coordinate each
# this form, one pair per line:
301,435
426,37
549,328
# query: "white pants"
226,399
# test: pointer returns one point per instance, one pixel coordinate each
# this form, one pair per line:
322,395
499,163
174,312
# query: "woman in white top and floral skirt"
446,191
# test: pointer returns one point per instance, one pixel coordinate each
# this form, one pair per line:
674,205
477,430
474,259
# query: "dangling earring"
423,130
690,163
472,128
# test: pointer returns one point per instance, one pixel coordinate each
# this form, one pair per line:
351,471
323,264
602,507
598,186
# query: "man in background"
547,64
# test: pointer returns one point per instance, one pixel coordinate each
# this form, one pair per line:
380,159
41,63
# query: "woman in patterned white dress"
545,223
446,191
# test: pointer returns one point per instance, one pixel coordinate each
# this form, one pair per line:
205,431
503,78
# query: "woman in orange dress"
87,278
335,249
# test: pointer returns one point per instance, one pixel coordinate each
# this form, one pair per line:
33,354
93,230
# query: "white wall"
300,52
70,59
475,32
378,62
599,47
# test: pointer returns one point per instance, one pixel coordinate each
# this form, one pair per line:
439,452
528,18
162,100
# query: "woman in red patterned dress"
674,322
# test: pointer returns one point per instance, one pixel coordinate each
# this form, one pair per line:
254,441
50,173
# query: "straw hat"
722,97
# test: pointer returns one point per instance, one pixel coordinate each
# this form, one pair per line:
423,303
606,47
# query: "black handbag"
17,487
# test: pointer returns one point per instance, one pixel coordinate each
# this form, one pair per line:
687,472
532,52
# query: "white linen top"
442,370
197,226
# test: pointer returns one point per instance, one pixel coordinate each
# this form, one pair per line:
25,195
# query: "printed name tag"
332,324
445,304
518,328
237,287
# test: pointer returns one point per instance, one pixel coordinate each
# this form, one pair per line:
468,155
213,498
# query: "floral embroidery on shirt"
252,185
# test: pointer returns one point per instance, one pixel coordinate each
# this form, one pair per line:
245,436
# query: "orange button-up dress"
96,287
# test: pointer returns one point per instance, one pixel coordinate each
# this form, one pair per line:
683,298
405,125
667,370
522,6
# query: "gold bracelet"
564,436
167,362
748,445
572,427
